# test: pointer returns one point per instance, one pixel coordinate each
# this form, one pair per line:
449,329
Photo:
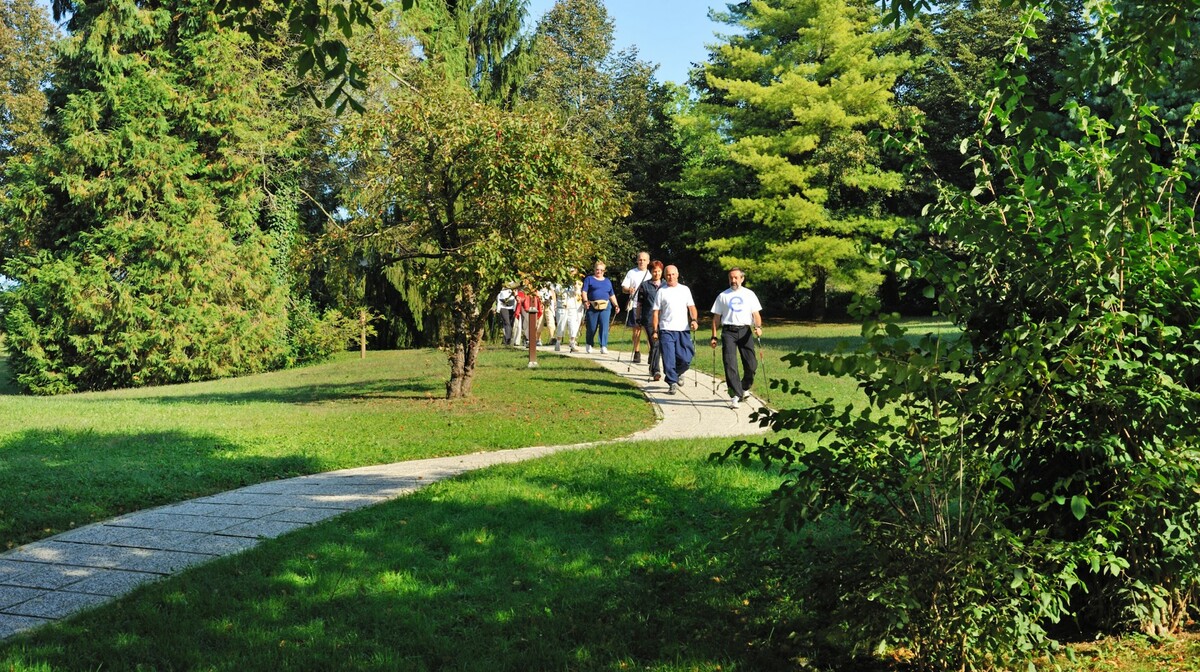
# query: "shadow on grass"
300,393
603,387
52,481
600,571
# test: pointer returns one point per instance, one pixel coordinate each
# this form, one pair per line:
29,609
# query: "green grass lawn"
71,460
605,559
633,556
781,338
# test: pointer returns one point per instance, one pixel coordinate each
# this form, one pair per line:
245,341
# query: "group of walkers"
558,308
666,311
657,305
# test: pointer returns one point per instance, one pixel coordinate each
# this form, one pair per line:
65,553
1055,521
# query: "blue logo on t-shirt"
735,304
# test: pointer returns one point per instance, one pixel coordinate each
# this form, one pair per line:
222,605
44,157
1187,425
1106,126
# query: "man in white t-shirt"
738,314
634,279
674,320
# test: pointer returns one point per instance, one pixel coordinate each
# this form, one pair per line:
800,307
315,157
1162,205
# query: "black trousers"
506,323
655,359
738,342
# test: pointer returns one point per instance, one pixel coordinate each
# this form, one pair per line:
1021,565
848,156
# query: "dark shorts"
631,318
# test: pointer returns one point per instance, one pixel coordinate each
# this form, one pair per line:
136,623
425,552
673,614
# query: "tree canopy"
26,58
136,236
476,197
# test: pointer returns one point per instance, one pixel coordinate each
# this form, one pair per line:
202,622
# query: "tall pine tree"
798,91
135,236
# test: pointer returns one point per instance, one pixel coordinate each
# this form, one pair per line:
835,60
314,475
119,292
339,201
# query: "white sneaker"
746,396
587,349
733,402
604,351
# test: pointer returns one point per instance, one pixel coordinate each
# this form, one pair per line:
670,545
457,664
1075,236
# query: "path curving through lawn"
54,578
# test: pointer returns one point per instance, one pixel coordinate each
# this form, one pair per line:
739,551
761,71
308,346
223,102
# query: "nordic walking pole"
695,373
714,368
762,359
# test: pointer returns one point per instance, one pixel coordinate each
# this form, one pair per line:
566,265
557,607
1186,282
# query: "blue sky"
672,33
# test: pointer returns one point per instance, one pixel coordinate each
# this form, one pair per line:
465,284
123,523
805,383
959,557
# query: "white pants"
520,330
568,324
548,322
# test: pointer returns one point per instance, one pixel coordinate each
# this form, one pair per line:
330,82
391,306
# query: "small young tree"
477,196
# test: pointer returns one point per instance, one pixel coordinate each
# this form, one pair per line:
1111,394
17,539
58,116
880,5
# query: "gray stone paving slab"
41,575
161,561
293,500
11,625
264,529
107,557
331,486
10,596
373,481
56,577
57,604
178,522
191,542
199,508
113,582
99,534
303,515
10,569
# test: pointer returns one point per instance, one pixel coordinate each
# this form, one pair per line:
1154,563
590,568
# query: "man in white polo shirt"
633,280
737,313
674,319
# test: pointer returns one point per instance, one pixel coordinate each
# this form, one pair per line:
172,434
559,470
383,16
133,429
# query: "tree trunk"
362,333
819,300
466,338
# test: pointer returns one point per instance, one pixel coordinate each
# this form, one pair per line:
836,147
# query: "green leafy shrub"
143,303
314,336
1043,464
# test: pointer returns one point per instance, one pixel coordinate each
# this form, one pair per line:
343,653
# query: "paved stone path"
56,577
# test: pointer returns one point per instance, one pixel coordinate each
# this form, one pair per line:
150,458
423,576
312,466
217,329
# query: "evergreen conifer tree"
135,236
798,92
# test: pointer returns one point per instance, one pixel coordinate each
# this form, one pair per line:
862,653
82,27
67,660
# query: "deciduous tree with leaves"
1042,464
26,56
476,196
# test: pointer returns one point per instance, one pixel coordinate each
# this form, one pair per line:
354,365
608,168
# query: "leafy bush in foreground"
1043,465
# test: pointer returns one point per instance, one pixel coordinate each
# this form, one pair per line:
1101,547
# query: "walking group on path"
665,310
657,305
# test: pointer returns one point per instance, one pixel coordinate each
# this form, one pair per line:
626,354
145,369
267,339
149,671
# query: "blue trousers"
677,353
597,320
